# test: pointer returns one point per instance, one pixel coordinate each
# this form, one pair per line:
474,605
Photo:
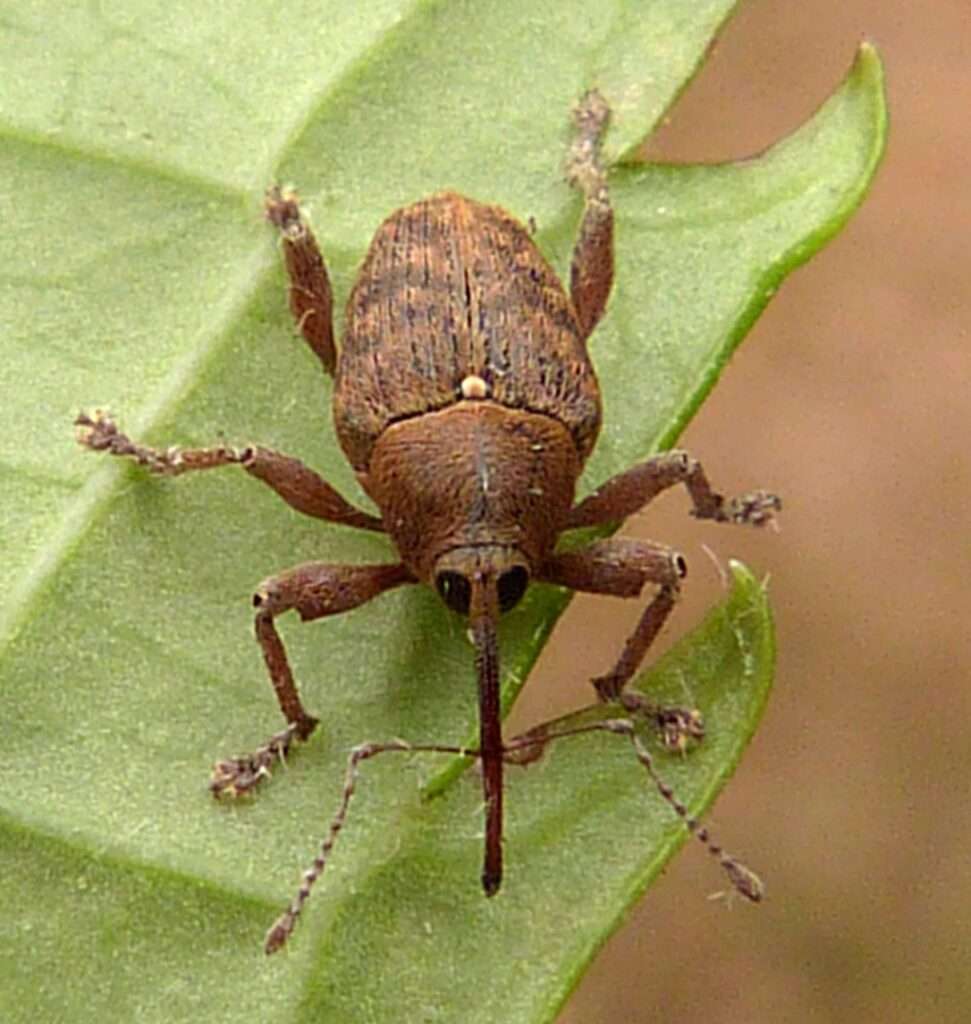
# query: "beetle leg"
592,267
311,299
314,590
301,488
621,567
627,493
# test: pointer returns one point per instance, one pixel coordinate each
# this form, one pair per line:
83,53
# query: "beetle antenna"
282,928
746,881
743,879
483,612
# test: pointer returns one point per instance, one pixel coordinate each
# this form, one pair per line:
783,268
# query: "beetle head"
504,569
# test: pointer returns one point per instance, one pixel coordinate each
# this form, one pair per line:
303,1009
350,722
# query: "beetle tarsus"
239,776
677,727
592,263
282,209
584,169
99,432
757,508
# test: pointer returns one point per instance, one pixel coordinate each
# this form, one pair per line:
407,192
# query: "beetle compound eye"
455,591
512,585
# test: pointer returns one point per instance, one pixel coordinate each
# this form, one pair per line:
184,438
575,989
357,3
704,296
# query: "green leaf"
137,143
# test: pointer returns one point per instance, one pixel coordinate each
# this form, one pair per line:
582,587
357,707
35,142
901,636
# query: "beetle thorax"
476,474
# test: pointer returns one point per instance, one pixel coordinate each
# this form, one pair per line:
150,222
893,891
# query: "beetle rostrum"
465,400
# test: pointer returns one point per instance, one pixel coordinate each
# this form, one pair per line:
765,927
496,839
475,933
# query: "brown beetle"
466,402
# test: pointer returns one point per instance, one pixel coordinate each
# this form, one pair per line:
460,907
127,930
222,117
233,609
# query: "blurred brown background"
851,398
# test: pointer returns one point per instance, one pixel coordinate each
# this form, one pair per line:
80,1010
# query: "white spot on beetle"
474,387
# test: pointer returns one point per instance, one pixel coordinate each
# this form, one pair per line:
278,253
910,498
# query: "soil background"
851,399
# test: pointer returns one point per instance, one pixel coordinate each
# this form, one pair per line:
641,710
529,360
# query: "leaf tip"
867,72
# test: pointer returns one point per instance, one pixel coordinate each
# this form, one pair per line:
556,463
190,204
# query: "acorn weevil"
466,402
